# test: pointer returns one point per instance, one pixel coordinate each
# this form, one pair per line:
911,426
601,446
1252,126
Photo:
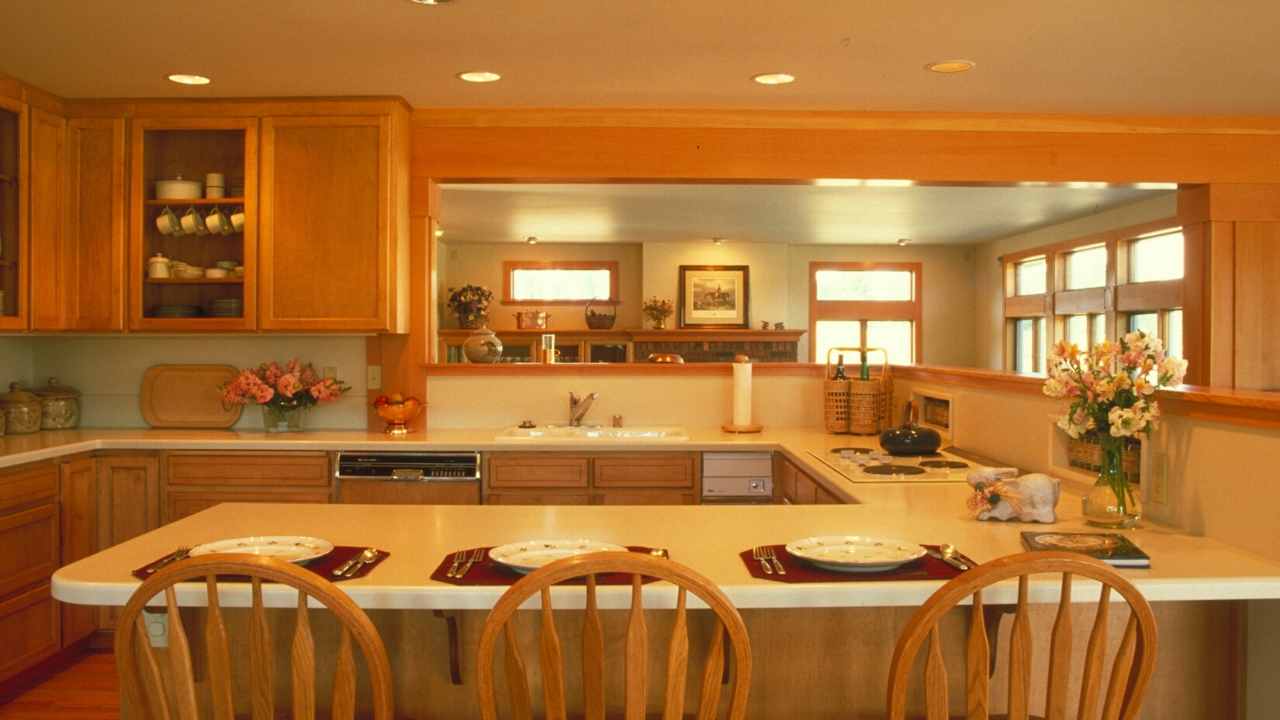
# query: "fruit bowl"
398,412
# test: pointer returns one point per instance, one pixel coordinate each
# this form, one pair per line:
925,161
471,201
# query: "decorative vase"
472,320
659,323
1113,501
280,419
482,347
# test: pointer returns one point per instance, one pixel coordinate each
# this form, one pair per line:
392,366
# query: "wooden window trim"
510,266
863,310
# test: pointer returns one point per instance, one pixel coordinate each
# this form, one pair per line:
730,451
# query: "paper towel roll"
741,394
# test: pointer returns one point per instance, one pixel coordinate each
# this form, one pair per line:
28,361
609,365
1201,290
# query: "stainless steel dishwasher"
408,478
737,478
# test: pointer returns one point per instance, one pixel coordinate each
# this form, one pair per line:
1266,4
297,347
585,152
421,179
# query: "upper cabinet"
14,195
334,223
193,249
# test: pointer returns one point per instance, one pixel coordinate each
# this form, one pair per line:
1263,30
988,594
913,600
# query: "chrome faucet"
579,407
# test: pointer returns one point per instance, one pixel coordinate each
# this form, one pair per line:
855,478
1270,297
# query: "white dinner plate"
290,548
530,555
855,553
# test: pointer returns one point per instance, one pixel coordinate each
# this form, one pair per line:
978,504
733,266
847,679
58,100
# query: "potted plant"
471,304
1111,389
285,392
658,310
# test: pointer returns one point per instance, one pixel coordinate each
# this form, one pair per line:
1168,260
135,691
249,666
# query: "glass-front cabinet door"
194,229
13,215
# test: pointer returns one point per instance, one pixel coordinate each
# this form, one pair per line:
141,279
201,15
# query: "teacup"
167,223
217,222
237,220
192,223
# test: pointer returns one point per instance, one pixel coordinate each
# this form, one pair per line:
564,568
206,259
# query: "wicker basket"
860,407
1087,455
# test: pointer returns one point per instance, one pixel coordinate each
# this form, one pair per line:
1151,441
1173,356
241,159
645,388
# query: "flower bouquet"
471,304
1111,389
283,391
658,310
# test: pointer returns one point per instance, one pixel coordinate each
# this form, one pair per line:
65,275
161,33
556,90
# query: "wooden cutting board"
187,396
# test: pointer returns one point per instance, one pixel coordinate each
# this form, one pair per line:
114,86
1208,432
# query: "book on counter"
1111,548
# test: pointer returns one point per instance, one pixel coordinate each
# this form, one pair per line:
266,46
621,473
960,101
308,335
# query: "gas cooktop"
861,464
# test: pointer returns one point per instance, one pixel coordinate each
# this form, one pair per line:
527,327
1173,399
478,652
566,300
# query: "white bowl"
178,189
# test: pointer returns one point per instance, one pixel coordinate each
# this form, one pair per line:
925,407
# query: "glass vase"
278,419
1113,501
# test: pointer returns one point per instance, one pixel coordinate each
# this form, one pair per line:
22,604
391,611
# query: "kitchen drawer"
538,470
28,485
272,469
645,497
736,464
28,547
181,503
664,470
28,630
535,498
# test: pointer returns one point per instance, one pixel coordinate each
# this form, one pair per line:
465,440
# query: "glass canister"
59,406
21,411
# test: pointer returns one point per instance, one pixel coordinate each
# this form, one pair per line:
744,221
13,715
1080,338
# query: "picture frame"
714,296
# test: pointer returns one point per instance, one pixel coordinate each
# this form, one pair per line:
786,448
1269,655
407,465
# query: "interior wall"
481,264
108,371
947,293
766,280
15,361
989,295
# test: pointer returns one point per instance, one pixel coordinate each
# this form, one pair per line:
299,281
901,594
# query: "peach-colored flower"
288,385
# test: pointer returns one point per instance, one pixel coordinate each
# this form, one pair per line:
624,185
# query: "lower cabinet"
128,505
797,487
195,481
30,546
79,527
548,478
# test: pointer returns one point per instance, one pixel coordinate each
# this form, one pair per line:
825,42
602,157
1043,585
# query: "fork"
458,558
476,556
771,555
758,552
179,554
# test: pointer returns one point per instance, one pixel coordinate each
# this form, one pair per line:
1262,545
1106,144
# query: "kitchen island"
820,650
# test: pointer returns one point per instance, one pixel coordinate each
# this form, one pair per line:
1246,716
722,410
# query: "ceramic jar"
59,406
482,347
21,411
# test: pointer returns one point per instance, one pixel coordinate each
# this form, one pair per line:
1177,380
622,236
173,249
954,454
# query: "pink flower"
288,384
264,394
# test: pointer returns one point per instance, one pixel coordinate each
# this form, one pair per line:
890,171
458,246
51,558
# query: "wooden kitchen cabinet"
361,491
645,497
30,539
181,503
79,500
646,470
335,222
47,223
539,470
537,498
797,487
14,202
549,478
128,504
196,480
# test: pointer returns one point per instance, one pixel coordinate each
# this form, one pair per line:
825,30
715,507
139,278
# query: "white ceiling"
1089,56
799,214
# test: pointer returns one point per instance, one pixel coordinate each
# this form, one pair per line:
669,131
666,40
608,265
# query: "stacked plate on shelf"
177,311
226,307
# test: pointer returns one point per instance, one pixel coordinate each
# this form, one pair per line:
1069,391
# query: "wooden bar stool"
638,566
1130,671
141,681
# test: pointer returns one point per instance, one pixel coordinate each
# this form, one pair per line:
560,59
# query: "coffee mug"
167,223
217,223
192,223
237,220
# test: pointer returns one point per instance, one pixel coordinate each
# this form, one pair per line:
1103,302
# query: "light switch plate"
374,379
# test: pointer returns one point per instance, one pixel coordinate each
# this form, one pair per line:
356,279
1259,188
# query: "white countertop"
707,538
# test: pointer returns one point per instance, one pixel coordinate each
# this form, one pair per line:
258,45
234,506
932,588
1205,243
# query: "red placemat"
801,571
488,572
321,566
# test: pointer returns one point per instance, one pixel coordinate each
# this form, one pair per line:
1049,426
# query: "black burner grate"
854,450
950,464
893,470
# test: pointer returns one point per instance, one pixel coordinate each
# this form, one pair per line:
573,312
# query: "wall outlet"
329,372
374,379
157,628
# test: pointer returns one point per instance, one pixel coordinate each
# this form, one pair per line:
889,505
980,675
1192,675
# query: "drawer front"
28,630
539,471
28,547
181,503
248,469
645,497
736,464
28,486
657,470
519,498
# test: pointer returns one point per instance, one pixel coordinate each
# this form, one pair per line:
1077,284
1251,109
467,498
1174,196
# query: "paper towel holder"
732,428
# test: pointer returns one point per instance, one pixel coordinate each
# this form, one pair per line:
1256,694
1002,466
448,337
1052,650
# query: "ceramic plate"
290,548
854,553
530,555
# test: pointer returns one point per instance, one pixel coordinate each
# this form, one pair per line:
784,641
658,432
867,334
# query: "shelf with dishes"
196,281
159,202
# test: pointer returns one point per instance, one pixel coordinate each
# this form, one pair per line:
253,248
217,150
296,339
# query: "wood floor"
87,690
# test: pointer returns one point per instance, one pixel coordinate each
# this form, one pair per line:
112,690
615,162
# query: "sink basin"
567,434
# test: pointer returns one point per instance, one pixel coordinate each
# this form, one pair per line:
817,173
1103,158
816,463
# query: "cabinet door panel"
806,492
181,503
95,263
28,630
538,470
49,250
27,486
291,469
674,470
79,538
28,547
326,223
128,504
14,220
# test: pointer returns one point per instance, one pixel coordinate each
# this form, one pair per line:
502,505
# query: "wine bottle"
839,373
864,372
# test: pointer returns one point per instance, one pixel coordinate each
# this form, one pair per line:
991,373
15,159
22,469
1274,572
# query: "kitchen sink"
568,434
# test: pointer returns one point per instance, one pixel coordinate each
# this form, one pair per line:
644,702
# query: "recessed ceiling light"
950,67
774,78
185,79
903,242
479,76
531,240
429,2
439,232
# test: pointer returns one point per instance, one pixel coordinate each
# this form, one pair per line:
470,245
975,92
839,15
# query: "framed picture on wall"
714,296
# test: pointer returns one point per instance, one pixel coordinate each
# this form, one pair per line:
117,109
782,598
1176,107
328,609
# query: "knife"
948,560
